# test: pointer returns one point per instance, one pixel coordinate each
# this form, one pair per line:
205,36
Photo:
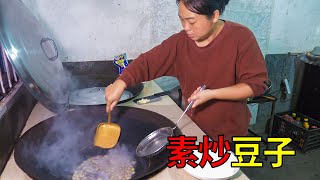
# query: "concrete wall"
255,14
100,29
295,26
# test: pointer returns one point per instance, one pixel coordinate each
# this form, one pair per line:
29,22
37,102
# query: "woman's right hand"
113,93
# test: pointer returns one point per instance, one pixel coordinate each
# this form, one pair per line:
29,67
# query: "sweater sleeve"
250,65
157,62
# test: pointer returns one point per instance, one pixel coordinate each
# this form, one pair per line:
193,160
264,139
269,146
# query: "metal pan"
156,141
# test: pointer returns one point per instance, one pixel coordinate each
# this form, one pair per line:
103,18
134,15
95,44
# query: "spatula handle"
109,117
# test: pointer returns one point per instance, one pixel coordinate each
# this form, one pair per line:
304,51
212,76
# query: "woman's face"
198,27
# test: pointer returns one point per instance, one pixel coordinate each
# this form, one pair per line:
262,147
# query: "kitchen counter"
165,107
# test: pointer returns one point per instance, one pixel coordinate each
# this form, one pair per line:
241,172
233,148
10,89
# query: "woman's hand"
240,91
113,93
200,97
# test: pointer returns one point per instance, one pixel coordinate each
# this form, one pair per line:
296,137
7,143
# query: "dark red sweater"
232,57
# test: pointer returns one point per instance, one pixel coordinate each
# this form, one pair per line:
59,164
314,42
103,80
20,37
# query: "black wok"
55,147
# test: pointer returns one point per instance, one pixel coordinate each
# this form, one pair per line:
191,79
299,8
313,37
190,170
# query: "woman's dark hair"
204,7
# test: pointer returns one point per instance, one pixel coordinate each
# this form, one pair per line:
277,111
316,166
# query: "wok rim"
29,132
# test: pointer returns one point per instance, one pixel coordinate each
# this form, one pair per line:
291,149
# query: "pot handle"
47,45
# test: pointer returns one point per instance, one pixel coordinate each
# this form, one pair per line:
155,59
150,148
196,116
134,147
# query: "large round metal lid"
93,96
34,55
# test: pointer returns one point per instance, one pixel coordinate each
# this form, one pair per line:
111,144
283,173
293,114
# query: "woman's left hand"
240,91
200,97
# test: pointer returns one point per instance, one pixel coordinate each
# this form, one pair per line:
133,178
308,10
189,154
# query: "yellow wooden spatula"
107,134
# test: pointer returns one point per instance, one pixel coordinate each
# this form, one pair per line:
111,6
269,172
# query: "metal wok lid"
35,57
93,96
54,148
96,95
33,54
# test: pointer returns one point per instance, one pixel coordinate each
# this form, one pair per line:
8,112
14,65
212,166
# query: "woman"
210,51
